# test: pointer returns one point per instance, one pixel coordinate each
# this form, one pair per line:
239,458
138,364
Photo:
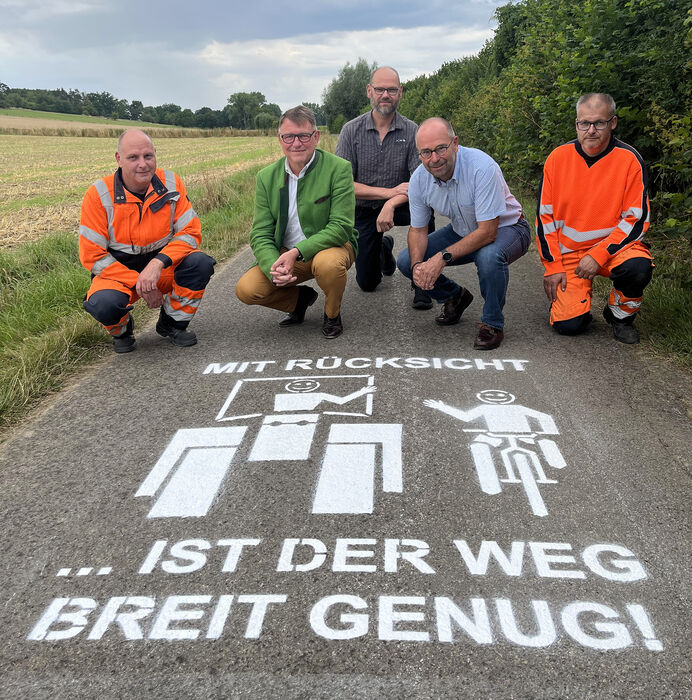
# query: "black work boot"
624,331
125,342
175,331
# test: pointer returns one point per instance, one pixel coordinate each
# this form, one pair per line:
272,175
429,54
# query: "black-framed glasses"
290,138
426,153
585,125
390,91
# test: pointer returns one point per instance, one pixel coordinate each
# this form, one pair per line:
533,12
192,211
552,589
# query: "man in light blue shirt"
487,228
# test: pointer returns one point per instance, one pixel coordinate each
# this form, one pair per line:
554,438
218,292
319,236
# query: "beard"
384,108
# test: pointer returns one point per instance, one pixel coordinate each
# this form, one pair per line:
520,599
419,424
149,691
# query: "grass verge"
45,336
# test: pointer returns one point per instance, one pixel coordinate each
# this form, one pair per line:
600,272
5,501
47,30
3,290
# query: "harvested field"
43,178
8,121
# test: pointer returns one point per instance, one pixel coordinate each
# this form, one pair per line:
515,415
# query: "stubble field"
43,178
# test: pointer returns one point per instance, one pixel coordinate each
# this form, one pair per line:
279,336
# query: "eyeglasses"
426,153
584,125
390,91
290,138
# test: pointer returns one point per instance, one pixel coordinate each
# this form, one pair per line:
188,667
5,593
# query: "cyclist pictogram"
510,440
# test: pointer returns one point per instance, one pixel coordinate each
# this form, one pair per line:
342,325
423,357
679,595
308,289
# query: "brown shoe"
454,307
332,327
488,338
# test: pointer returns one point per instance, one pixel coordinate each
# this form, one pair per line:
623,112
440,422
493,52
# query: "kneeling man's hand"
552,282
425,274
587,268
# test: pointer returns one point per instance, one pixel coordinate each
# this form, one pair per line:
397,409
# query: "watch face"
446,256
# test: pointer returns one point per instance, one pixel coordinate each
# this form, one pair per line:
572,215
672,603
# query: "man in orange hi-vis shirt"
139,237
593,210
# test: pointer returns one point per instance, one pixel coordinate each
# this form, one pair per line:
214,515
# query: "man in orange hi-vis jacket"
593,210
139,237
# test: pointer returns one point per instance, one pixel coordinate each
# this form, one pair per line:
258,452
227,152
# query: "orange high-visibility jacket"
119,234
598,205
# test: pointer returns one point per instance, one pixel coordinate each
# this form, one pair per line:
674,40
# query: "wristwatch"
300,257
447,256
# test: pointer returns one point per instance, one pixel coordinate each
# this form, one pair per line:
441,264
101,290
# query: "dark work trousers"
370,258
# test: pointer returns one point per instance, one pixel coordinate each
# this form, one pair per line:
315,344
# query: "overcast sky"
197,53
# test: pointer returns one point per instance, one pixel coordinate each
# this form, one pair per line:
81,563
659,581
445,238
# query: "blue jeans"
492,262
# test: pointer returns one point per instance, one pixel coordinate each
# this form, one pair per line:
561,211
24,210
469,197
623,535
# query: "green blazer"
326,209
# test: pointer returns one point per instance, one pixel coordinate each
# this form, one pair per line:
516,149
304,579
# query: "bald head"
437,123
136,157
597,99
437,147
385,73
384,92
130,135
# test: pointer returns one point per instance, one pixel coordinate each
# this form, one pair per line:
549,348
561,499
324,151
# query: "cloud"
198,59
37,11
297,69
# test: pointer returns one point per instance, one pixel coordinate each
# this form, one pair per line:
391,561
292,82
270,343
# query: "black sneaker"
421,300
126,341
623,332
388,262
178,336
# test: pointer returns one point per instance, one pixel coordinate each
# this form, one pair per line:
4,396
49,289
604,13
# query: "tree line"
244,110
516,98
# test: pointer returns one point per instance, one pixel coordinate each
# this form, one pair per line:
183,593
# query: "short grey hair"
298,115
444,122
603,97
394,70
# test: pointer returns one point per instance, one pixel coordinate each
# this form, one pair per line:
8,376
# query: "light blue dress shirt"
477,191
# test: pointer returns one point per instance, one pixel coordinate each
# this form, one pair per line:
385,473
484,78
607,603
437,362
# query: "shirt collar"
287,167
396,122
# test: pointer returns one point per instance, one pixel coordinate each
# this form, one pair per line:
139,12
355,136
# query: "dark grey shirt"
379,164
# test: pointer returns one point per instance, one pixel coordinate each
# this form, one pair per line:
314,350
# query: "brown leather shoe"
332,327
454,307
488,338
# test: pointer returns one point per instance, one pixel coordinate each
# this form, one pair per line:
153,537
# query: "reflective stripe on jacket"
119,234
593,204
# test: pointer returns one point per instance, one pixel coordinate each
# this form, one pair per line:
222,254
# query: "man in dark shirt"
381,147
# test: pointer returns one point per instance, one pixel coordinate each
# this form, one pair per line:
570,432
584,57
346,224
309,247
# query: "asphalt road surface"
390,514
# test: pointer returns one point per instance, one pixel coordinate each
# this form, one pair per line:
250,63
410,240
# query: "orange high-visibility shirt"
597,205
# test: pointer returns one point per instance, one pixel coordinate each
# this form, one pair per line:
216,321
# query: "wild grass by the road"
665,318
44,333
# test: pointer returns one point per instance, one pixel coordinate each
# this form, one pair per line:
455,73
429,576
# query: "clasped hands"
282,270
425,274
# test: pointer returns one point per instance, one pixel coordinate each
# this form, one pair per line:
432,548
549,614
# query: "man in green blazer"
302,227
